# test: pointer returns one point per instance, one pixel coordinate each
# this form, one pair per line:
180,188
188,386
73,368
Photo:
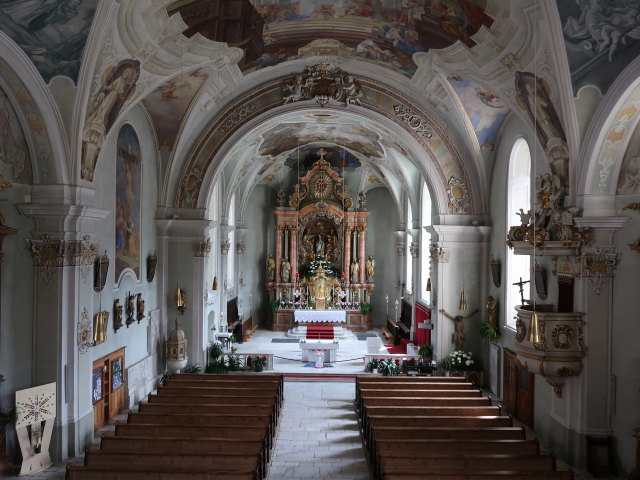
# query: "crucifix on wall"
520,285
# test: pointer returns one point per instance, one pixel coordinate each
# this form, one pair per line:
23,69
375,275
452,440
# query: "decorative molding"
236,117
84,335
241,247
225,246
599,266
50,254
414,249
201,249
458,195
191,183
323,83
400,249
439,254
413,120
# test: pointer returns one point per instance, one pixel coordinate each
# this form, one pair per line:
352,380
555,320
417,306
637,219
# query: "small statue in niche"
370,268
355,270
140,304
130,309
271,268
117,314
362,201
285,271
281,198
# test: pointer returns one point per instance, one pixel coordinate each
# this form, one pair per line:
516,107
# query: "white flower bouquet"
459,360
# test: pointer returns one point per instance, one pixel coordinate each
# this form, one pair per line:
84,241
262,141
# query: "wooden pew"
444,433
204,419
482,475
427,402
179,431
166,408
434,464
439,421
383,379
408,448
93,473
145,461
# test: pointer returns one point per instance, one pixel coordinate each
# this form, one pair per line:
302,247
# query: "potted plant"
459,361
488,332
216,364
373,365
388,367
233,362
426,352
259,362
191,368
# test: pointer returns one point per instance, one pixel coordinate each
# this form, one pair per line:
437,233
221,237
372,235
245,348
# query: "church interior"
300,183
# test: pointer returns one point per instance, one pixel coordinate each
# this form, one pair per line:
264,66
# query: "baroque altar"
320,260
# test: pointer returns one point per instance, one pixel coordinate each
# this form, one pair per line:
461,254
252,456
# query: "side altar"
320,261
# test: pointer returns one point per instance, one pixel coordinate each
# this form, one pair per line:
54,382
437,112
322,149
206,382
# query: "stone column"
457,251
6,467
361,253
347,254
594,294
63,251
176,238
278,252
293,255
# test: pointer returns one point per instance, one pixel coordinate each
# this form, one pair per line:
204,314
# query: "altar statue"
285,271
319,245
271,268
355,270
369,268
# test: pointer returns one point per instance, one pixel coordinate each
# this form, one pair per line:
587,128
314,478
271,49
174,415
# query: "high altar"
320,260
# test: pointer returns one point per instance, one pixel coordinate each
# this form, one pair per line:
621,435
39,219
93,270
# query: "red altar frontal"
320,260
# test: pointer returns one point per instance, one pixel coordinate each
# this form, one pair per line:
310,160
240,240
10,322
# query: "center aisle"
318,435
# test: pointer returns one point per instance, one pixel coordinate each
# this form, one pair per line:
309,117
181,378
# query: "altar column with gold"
278,251
361,255
347,254
293,255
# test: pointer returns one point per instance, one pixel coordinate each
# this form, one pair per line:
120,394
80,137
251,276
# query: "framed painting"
496,270
96,386
128,202
116,374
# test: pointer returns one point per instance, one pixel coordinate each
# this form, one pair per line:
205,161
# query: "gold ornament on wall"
100,323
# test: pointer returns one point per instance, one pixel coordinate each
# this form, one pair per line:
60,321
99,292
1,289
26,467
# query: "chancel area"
211,200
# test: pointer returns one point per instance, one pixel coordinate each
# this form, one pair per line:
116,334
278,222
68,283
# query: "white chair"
374,344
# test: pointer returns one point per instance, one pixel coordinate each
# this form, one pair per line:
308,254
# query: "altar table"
309,349
313,316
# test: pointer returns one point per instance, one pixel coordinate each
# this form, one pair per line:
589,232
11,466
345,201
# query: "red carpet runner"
319,332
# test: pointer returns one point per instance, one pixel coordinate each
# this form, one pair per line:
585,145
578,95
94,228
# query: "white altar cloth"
328,347
314,316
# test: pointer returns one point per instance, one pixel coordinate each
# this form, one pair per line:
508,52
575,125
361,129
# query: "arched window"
518,197
231,256
425,221
407,254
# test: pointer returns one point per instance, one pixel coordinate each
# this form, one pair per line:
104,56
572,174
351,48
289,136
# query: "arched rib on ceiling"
455,187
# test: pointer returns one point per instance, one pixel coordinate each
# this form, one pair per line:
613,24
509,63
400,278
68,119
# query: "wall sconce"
429,284
181,300
215,283
152,262
100,269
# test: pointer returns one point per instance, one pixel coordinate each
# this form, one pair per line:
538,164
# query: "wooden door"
107,385
517,390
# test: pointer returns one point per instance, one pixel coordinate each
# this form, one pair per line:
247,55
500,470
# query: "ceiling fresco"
484,108
15,163
169,102
386,32
289,136
52,33
629,177
601,38
303,158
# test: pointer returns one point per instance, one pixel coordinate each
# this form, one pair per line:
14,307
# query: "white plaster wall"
382,223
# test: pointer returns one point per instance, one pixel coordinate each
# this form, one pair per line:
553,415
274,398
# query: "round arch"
454,185
607,138
42,123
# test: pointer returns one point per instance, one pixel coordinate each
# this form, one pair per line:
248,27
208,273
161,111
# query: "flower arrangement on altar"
459,360
315,265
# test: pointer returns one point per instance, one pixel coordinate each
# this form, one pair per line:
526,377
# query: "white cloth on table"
315,316
374,344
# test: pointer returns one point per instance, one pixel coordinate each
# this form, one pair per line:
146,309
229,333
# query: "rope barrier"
305,361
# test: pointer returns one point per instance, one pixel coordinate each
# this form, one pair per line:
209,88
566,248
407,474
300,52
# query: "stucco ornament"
84,335
413,120
458,195
323,83
599,266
